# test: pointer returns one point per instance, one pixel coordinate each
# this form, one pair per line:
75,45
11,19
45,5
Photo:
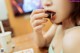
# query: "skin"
57,35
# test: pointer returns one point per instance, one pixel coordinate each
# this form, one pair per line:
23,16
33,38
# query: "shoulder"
71,40
73,29
72,34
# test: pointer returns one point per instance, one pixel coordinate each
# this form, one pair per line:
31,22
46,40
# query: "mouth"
51,15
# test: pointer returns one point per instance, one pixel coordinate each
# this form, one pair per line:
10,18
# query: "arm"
45,39
48,36
37,23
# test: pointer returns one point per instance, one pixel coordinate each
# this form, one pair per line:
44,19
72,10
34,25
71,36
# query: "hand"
37,19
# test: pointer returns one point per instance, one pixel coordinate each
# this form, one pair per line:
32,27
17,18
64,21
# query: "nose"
48,3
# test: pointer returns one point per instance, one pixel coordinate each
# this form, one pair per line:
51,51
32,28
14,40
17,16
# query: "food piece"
50,14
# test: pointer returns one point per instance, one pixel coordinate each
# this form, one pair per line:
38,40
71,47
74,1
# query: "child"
64,34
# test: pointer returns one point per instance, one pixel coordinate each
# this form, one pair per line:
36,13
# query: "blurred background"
14,15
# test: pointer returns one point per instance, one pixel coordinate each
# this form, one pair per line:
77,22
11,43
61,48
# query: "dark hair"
75,14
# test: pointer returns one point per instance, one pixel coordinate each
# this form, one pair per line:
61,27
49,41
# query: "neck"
67,23
78,21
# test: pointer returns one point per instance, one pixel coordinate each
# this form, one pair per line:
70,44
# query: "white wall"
3,10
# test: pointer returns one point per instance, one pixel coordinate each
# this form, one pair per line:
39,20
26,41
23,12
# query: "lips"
51,15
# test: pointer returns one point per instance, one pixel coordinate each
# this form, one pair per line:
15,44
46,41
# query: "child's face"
62,8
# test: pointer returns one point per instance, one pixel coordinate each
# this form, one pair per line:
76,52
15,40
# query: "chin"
56,22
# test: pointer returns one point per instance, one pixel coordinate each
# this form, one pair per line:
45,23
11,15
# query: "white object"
28,51
18,52
1,50
3,10
1,26
6,41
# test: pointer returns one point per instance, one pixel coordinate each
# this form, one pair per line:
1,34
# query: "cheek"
63,6
62,15
63,10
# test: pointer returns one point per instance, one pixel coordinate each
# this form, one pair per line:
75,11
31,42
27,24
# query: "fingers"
38,16
37,11
37,19
37,28
38,22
